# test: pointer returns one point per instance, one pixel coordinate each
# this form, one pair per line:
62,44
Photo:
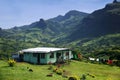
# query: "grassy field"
20,71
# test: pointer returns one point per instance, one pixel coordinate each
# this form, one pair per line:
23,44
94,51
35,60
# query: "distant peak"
73,12
113,5
40,24
41,20
115,1
59,16
0,28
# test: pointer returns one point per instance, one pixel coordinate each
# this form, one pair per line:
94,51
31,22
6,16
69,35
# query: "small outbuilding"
46,55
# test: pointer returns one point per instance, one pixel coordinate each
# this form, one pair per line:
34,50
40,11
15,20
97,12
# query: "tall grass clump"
11,62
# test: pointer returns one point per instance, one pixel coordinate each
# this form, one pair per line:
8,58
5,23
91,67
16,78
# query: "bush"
73,78
83,77
55,69
59,71
11,62
50,67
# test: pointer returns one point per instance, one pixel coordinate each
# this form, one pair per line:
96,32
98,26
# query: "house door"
38,59
59,57
21,57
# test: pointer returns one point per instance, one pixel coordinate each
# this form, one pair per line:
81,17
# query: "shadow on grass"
5,66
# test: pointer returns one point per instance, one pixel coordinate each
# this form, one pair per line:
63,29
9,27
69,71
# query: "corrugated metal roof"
43,49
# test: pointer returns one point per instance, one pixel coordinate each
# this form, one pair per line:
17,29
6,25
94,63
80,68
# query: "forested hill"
89,33
102,44
39,33
100,22
46,31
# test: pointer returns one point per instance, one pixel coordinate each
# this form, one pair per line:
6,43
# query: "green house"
46,55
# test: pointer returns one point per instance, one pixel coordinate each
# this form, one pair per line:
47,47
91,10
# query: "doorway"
59,57
38,58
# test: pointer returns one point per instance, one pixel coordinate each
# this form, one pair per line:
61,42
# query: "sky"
24,12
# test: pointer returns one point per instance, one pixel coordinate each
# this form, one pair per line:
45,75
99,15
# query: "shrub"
50,67
73,78
11,62
50,75
31,70
55,69
59,71
83,77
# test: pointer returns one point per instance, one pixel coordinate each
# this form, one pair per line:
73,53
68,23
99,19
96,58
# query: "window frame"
42,55
35,55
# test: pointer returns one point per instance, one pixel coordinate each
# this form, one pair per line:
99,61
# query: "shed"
45,55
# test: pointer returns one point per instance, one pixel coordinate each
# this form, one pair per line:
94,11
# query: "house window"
42,55
34,55
51,55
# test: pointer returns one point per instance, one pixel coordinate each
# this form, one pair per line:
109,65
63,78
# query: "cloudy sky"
23,12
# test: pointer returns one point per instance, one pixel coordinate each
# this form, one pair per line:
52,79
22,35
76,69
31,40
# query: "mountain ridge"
100,22
47,30
72,30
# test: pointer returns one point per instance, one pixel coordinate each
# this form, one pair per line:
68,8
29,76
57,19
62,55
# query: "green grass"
20,71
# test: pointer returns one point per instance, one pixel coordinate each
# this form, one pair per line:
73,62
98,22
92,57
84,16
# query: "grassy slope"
20,72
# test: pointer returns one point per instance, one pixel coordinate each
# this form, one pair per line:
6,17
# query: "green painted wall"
43,60
52,60
28,57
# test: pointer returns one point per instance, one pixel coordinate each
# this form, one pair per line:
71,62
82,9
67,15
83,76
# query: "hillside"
76,68
103,46
47,30
90,33
70,20
39,33
100,22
